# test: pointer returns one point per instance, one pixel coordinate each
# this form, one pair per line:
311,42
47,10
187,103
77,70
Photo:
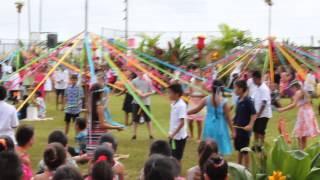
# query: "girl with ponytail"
101,164
218,118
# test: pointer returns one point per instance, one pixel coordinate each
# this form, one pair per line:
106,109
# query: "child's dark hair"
59,137
81,123
176,88
54,156
38,94
10,165
217,86
160,147
25,97
132,76
108,138
24,134
3,93
103,162
6,143
74,77
242,84
256,74
176,166
67,172
96,95
205,150
216,168
159,167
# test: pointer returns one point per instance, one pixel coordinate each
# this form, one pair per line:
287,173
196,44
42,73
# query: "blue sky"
294,19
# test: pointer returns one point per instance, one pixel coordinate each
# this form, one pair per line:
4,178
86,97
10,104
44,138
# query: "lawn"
138,150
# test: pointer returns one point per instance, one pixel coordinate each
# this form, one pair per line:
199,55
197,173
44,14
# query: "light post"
40,15
270,4
19,5
126,20
86,6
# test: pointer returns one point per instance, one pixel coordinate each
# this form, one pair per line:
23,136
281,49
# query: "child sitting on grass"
101,165
216,168
25,140
54,156
107,140
80,138
58,137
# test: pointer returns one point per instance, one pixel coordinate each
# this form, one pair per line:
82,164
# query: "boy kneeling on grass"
243,121
178,128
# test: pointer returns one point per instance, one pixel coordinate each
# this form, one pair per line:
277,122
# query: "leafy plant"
230,38
291,163
177,52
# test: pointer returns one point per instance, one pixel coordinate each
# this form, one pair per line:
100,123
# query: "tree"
150,45
230,38
177,52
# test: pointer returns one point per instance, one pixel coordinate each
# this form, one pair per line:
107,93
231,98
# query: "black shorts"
137,112
179,148
260,125
68,117
241,142
60,92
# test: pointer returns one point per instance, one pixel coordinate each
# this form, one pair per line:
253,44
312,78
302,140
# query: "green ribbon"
265,65
133,93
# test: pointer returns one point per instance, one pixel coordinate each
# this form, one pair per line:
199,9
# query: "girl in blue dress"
218,119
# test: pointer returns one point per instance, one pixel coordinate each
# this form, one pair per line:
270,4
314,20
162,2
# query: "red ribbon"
102,158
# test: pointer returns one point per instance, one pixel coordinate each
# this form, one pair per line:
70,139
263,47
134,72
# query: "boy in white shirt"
310,83
178,128
262,102
9,116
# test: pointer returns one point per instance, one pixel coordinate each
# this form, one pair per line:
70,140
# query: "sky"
294,19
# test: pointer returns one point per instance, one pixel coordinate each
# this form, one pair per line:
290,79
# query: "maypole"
270,52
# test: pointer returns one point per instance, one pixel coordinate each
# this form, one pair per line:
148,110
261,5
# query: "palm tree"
230,38
150,45
177,52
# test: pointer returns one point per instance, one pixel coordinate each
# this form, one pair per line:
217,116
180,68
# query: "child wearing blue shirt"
243,121
81,135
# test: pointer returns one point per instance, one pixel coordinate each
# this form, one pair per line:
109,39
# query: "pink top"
26,167
37,79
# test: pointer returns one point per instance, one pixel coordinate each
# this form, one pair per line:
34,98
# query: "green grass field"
138,150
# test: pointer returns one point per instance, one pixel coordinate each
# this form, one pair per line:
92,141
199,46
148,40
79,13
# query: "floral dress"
306,124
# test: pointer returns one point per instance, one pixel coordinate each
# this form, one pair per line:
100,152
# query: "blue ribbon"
109,120
10,57
282,60
93,78
303,53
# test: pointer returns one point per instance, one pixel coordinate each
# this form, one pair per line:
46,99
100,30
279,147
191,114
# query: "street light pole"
270,4
126,18
86,17
40,16
19,4
29,20
270,21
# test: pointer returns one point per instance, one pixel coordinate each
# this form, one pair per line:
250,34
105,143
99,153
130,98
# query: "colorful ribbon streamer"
133,93
49,73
